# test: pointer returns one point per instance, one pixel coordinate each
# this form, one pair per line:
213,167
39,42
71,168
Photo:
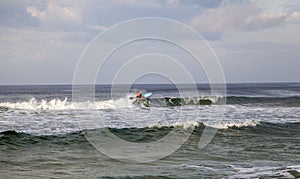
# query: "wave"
180,101
246,125
14,139
126,102
58,104
291,101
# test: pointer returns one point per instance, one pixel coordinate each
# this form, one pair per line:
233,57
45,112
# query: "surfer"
139,95
141,99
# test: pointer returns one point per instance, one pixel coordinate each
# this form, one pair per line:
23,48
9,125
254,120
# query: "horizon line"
70,84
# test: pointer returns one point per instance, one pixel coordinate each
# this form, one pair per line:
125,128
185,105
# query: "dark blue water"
45,134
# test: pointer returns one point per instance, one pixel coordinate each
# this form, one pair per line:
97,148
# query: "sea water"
43,131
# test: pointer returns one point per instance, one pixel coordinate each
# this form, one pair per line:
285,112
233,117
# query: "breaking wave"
65,104
58,104
158,131
291,101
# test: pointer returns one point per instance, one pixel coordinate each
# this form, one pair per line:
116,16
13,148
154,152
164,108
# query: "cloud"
240,16
294,17
56,16
199,3
98,27
48,36
13,13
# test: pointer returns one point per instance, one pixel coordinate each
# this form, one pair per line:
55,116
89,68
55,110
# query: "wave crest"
58,104
126,102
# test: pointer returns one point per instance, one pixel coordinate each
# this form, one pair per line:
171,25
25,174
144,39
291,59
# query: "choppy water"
43,132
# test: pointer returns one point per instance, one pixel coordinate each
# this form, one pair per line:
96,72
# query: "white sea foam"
227,125
185,125
255,172
58,104
192,124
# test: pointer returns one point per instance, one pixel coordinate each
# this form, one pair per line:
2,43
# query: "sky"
255,41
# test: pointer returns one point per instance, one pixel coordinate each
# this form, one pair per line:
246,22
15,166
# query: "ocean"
45,133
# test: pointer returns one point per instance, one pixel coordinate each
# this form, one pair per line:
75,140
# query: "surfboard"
144,101
147,95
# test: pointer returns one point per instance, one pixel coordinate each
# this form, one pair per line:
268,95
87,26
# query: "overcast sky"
255,41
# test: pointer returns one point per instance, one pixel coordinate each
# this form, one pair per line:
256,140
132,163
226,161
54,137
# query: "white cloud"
49,36
241,16
98,27
35,12
56,16
294,17
223,18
